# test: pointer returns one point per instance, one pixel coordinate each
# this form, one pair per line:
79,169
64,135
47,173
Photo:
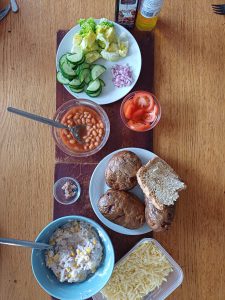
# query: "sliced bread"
159,182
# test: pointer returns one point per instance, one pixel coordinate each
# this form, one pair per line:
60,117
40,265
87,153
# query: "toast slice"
159,182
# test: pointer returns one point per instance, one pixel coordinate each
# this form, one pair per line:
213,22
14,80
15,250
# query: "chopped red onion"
122,75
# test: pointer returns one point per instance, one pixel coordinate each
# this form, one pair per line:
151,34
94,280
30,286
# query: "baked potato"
158,219
120,173
122,208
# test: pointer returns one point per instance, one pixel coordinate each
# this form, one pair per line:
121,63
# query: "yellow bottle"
147,15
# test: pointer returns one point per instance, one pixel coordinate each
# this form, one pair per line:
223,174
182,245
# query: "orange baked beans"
94,133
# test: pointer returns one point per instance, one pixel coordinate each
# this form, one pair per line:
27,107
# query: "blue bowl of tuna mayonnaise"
70,291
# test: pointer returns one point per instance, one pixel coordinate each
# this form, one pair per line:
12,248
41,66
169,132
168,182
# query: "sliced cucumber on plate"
93,85
76,71
75,82
61,78
67,71
76,90
75,57
102,82
85,75
96,71
95,94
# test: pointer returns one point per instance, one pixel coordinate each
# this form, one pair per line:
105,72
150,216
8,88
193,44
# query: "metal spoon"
27,244
14,6
75,130
4,12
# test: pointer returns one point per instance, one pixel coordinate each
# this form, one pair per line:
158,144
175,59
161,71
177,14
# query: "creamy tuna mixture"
77,252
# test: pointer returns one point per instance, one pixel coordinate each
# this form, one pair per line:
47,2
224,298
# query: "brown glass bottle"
126,12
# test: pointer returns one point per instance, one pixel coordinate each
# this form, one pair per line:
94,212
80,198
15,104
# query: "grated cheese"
140,273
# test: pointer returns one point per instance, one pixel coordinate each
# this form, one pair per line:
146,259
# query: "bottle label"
150,8
127,12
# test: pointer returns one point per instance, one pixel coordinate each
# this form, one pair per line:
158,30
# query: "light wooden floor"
189,82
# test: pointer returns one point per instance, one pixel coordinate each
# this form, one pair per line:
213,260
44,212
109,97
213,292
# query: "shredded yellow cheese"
140,273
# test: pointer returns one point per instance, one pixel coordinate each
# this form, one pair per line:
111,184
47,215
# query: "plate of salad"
98,60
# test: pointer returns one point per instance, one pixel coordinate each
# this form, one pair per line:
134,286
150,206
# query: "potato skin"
158,220
122,208
120,173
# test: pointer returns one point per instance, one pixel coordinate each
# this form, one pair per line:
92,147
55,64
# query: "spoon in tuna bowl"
76,131
27,244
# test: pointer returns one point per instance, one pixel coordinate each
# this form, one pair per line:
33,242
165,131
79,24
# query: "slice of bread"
159,182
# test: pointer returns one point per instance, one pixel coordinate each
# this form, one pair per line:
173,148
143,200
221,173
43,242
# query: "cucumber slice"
75,82
67,71
93,85
89,92
76,90
61,78
75,85
63,60
81,61
84,66
97,71
95,94
102,82
85,75
76,56
88,78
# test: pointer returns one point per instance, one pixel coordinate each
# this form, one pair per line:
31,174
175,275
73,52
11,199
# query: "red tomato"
138,114
144,100
156,109
130,108
127,103
138,126
149,117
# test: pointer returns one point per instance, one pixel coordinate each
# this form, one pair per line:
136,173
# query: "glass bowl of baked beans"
96,130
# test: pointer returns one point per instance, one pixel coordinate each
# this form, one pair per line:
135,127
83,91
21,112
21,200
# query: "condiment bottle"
126,12
147,15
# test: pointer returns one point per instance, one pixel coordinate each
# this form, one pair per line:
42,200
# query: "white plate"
98,187
110,93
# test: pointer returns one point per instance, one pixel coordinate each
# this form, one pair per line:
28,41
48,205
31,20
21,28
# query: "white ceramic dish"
174,279
98,187
110,93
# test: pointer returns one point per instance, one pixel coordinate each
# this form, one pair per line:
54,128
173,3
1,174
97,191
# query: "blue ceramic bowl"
72,291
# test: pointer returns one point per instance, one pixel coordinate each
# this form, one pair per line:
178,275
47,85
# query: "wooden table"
189,81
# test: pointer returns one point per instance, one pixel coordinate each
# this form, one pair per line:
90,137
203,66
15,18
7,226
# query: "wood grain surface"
189,82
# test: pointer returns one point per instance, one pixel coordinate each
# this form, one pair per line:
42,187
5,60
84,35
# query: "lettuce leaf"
111,56
100,37
87,26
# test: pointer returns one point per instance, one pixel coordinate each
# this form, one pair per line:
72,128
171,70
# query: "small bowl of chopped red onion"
66,190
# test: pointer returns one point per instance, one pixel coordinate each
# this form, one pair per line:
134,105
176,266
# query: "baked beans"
94,128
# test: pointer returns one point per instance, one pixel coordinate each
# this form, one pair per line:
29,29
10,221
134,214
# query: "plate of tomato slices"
140,111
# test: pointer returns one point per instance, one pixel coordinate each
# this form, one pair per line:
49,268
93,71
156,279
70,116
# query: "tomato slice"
149,117
138,126
130,108
129,101
138,114
144,100
156,109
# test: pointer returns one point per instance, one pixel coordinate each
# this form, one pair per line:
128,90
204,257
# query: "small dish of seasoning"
66,190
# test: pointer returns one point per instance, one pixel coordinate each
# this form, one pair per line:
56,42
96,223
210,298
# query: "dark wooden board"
120,137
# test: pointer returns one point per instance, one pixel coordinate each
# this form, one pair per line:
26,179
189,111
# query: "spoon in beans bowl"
77,131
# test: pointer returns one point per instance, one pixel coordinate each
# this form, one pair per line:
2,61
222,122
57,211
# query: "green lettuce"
87,26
